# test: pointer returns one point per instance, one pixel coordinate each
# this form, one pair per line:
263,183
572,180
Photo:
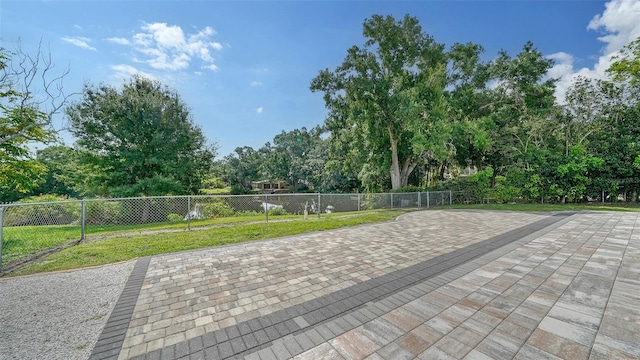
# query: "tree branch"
28,82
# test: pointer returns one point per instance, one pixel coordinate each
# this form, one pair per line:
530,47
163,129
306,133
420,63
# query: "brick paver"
551,298
436,284
188,294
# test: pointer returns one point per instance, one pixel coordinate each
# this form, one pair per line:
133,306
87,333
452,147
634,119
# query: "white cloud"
78,27
259,110
211,67
563,71
81,42
619,24
256,83
126,71
165,36
120,41
168,47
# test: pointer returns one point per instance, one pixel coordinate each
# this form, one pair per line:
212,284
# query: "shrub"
371,201
174,218
239,190
216,208
505,191
104,212
57,210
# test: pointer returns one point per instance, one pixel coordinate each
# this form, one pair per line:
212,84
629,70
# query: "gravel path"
59,315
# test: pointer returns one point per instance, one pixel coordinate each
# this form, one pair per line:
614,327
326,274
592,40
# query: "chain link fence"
27,229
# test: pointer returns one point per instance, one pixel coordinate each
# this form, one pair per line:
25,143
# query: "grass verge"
124,248
20,242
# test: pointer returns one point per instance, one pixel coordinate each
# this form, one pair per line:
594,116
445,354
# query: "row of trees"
403,110
134,140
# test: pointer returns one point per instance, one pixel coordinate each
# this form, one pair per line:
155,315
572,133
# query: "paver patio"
434,284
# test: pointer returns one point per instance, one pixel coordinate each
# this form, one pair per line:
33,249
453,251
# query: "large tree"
387,98
521,108
618,143
64,176
297,156
467,95
30,95
242,167
139,140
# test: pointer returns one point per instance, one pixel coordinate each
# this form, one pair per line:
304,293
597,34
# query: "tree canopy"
139,140
30,95
388,97
402,110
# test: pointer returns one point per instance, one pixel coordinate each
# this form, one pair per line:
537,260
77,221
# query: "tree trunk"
396,178
399,175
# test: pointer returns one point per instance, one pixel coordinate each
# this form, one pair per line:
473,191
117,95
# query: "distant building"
271,187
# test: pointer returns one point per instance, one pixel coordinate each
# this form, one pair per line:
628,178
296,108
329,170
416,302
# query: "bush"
216,208
240,190
372,201
58,210
104,212
473,189
174,218
505,191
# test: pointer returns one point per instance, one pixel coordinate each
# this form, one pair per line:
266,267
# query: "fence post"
427,199
358,202
319,205
603,196
391,200
266,208
419,200
83,215
450,198
188,212
1,230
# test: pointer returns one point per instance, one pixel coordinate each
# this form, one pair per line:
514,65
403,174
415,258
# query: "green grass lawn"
19,242
126,247
181,225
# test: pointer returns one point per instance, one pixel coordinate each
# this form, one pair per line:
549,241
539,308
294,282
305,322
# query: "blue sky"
244,67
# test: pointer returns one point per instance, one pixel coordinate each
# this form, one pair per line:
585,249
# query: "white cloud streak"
620,24
259,110
124,71
168,47
79,41
119,41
